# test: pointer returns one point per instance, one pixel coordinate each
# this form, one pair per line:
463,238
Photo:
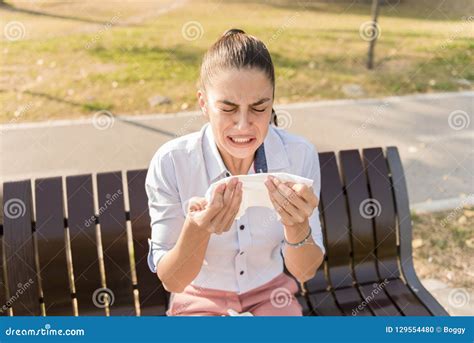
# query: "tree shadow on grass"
10,8
97,108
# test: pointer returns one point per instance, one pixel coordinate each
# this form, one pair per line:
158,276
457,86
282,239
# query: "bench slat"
355,182
319,282
50,234
336,222
350,302
386,232
406,301
3,296
358,198
324,304
339,216
113,228
82,230
153,297
19,248
385,229
405,233
379,302
306,309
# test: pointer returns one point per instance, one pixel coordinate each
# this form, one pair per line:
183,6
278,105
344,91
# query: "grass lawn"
75,58
443,247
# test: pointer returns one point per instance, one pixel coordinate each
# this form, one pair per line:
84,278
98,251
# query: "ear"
201,96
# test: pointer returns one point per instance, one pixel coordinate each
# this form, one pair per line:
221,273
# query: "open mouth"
241,141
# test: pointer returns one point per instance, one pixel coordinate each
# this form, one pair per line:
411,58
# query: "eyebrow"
230,103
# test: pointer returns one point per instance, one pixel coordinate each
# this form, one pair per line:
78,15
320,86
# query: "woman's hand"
218,215
295,202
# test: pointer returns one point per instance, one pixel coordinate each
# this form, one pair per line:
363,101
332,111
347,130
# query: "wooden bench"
60,249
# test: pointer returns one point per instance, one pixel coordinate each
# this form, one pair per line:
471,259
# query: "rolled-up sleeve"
313,172
164,204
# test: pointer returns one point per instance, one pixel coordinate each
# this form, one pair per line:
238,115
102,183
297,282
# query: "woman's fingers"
196,204
297,200
215,205
280,205
230,190
284,207
234,206
307,193
217,198
222,221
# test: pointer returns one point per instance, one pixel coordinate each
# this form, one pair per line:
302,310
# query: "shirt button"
227,174
242,227
241,272
241,253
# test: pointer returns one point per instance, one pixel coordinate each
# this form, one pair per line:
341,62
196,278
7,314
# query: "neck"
237,166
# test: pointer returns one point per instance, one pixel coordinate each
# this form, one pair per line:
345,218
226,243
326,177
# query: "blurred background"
91,86
67,59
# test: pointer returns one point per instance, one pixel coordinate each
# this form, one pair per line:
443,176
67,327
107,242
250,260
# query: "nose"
243,120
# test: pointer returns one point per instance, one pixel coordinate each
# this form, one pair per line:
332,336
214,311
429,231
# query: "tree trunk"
375,14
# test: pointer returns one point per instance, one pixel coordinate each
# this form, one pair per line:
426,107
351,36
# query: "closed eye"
227,110
258,110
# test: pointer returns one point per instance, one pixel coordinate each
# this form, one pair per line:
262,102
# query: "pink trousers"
274,298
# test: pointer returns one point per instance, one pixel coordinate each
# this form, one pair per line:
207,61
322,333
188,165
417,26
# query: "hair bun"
233,32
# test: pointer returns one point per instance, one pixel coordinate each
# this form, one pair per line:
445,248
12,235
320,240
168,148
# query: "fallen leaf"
462,220
417,242
470,243
469,213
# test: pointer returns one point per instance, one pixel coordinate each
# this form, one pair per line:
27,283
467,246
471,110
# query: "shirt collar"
212,158
275,152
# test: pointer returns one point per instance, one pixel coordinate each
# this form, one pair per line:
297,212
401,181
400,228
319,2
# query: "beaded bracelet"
304,241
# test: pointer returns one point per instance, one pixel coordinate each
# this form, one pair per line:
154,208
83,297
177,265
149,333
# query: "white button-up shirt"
250,253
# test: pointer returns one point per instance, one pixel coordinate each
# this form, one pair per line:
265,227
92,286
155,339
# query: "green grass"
316,50
444,246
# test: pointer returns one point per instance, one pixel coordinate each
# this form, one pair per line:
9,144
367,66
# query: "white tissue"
255,193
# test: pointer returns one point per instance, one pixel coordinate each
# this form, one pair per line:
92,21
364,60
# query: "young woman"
208,260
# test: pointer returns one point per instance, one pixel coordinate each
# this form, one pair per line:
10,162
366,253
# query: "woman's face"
238,105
